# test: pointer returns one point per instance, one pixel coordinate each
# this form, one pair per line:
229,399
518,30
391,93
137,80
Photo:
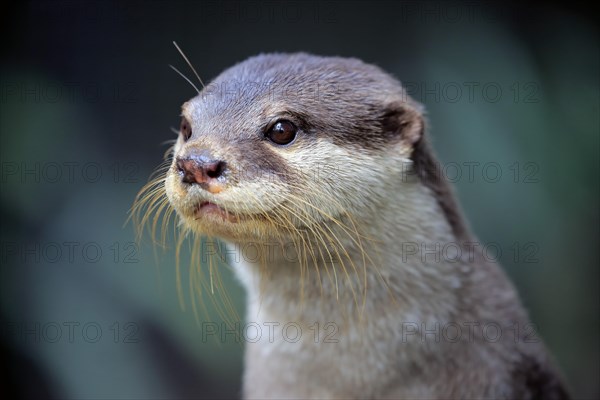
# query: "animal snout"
201,168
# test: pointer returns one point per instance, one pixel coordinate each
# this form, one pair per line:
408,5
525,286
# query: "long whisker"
184,77
189,63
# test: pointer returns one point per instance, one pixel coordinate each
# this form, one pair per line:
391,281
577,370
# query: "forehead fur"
343,98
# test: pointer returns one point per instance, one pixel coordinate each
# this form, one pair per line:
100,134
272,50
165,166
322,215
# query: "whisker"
189,63
184,77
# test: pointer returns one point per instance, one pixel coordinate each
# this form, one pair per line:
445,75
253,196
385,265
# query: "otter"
324,166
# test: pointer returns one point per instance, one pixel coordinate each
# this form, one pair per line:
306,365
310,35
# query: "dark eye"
185,129
282,132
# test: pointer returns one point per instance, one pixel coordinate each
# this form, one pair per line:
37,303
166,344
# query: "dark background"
87,98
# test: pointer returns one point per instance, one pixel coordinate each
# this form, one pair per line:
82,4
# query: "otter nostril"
180,165
215,169
197,170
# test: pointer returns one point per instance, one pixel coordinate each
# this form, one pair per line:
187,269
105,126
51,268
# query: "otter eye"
283,132
185,129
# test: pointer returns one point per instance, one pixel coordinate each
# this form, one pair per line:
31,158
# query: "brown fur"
385,194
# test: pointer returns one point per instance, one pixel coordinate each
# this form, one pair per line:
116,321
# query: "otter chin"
207,209
325,164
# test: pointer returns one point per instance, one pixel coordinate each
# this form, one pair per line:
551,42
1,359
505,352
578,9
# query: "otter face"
280,143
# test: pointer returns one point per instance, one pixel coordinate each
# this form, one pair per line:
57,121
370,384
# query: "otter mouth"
206,209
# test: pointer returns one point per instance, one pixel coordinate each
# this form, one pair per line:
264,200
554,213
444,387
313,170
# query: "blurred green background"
87,98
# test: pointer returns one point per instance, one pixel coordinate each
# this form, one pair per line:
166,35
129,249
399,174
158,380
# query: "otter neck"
396,263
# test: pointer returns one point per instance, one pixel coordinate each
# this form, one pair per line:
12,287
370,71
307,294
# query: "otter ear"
404,122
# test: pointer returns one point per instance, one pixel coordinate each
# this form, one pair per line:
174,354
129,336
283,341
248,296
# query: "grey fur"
360,117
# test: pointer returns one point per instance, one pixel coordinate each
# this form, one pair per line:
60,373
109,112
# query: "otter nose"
200,168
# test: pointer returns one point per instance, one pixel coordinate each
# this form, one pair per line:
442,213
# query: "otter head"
282,143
